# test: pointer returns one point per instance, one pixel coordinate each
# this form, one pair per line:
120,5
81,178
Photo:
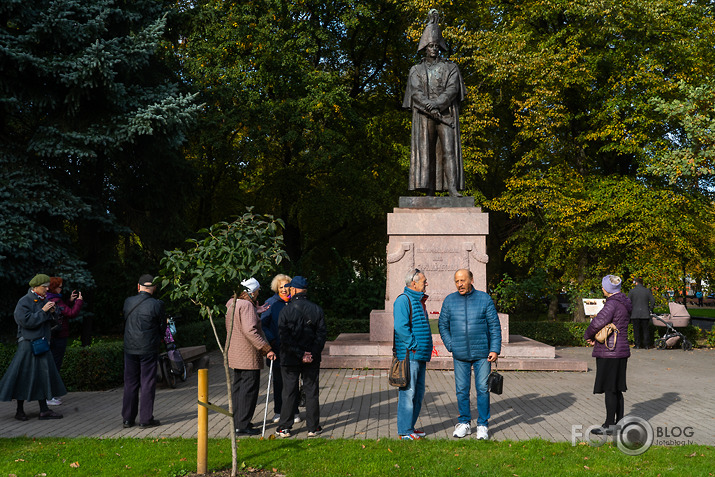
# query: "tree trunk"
579,314
553,307
685,288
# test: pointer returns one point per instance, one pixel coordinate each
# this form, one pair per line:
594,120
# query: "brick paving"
669,388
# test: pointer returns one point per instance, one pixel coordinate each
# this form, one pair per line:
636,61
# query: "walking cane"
268,394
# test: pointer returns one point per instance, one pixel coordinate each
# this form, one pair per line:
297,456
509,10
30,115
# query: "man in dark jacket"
144,327
302,331
643,302
470,329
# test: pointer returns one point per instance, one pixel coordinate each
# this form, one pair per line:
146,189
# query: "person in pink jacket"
61,331
246,344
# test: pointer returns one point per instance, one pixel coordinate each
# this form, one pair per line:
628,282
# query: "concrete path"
672,389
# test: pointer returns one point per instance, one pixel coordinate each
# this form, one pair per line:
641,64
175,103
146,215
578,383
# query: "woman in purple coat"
611,356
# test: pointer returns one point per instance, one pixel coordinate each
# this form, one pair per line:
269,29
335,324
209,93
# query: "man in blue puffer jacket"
417,339
470,329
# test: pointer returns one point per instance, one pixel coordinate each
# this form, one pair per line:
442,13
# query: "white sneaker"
277,418
54,402
482,432
461,430
297,419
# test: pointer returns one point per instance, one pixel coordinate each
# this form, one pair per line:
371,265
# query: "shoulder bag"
605,332
40,346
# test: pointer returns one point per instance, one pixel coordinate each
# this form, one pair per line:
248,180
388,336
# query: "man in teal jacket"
413,337
470,329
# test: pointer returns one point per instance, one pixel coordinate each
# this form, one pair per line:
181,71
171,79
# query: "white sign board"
591,306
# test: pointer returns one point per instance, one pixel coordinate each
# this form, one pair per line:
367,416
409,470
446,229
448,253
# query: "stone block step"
441,363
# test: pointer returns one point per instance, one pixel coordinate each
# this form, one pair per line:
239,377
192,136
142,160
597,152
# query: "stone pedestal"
438,236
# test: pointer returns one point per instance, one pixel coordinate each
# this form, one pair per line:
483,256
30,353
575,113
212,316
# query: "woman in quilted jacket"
611,356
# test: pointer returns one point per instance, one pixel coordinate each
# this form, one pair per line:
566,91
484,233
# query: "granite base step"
355,350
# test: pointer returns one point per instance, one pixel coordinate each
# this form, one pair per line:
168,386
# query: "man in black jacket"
301,327
643,301
144,328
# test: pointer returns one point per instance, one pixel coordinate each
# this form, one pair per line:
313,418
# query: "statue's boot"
453,192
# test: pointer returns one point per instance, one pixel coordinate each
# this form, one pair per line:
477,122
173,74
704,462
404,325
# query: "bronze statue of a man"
435,89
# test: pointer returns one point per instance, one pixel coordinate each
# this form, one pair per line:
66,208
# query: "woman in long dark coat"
33,377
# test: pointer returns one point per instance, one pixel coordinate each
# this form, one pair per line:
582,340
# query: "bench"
195,357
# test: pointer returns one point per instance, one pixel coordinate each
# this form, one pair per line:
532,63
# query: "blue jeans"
462,381
409,399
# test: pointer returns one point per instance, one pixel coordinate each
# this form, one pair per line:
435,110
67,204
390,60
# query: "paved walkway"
672,389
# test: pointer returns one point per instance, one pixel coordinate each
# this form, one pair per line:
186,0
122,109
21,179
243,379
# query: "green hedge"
571,334
92,368
199,333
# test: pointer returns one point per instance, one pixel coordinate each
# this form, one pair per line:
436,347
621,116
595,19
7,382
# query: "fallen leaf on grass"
183,459
19,460
74,465
586,467
389,450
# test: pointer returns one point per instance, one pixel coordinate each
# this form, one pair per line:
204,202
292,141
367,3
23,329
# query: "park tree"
91,120
583,128
303,119
213,266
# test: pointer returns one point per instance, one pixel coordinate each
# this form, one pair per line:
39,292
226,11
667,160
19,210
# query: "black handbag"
495,382
399,374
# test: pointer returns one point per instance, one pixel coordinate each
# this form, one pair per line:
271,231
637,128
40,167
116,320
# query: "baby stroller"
678,317
172,364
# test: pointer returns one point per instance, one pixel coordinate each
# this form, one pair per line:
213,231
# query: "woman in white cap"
32,374
246,345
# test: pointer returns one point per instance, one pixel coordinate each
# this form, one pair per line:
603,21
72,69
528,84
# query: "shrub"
197,333
337,325
551,333
7,351
571,333
709,338
94,368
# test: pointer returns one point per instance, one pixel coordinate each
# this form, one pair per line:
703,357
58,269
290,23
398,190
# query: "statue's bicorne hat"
432,33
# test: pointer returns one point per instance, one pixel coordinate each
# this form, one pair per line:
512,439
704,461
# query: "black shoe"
599,431
50,415
21,416
152,423
247,432
128,424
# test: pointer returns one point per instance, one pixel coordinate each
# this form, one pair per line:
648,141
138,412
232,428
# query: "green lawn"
327,457
704,312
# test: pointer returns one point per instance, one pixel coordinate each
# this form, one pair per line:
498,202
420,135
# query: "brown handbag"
605,332
400,372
